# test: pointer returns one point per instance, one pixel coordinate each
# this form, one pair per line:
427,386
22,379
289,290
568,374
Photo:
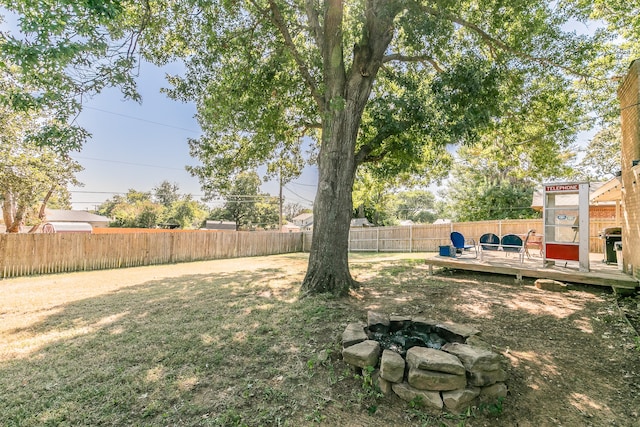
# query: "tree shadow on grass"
241,349
190,348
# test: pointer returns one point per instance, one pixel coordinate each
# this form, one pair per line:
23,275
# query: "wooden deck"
600,274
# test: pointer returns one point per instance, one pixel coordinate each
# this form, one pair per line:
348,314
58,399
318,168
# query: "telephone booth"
566,223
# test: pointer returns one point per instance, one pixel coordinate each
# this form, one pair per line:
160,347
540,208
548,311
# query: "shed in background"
67,227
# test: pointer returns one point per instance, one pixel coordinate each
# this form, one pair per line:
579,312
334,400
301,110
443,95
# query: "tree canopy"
382,84
56,54
602,155
386,83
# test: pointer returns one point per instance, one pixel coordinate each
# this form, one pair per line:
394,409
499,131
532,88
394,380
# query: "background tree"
373,199
186,212
602,156
166,193
292,210
135,209
498,181
266,214
246,205
140,209
30,175
418,206
388,82
495,177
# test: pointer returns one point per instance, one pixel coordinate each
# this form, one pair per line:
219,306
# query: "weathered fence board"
28,254
428,237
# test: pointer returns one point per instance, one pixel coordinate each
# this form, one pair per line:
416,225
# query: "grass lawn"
228,343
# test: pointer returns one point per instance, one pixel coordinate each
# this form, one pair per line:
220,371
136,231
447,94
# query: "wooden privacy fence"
428,237
27,254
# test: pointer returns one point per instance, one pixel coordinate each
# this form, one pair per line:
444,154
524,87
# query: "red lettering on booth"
558,188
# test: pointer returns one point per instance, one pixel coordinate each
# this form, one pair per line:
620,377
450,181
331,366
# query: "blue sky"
139,145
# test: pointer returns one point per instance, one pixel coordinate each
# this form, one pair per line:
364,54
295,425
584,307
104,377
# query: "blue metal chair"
461,244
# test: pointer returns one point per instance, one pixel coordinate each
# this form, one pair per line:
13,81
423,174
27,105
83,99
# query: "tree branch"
421,58
314,21
332,50
42,215
364,153
496,42
278,20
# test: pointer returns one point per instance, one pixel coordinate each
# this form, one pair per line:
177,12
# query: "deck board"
600,274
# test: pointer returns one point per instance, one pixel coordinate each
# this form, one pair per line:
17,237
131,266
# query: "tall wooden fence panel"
428,237
27,254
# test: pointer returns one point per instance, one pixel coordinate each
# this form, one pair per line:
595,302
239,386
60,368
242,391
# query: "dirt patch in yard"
229,343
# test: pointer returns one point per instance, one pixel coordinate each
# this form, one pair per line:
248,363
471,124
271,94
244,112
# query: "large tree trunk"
345,98
42,213
328,269
13,215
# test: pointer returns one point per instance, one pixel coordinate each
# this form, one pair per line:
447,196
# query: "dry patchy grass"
229,343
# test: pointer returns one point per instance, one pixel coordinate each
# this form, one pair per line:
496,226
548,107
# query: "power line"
128,163
303,185
97,192
141,119
297,195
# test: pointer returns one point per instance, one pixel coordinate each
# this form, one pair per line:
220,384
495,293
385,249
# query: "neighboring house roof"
360,222
610,191
442,221
572,199
406,222
286,228
302,217
220,225
62,215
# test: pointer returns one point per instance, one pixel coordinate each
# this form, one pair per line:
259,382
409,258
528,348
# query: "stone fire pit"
444,365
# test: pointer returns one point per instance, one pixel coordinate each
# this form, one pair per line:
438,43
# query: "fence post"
171,248
3,256
349,241
411,238
236,249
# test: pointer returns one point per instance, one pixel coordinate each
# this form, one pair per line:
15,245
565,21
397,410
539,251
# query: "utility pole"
280,220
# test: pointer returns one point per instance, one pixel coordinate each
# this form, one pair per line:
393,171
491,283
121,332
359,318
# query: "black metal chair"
512,243
489,242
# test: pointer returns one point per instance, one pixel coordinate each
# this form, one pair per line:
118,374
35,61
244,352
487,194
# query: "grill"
611,235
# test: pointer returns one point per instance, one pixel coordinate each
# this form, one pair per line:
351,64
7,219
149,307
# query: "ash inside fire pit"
401,341
442,364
